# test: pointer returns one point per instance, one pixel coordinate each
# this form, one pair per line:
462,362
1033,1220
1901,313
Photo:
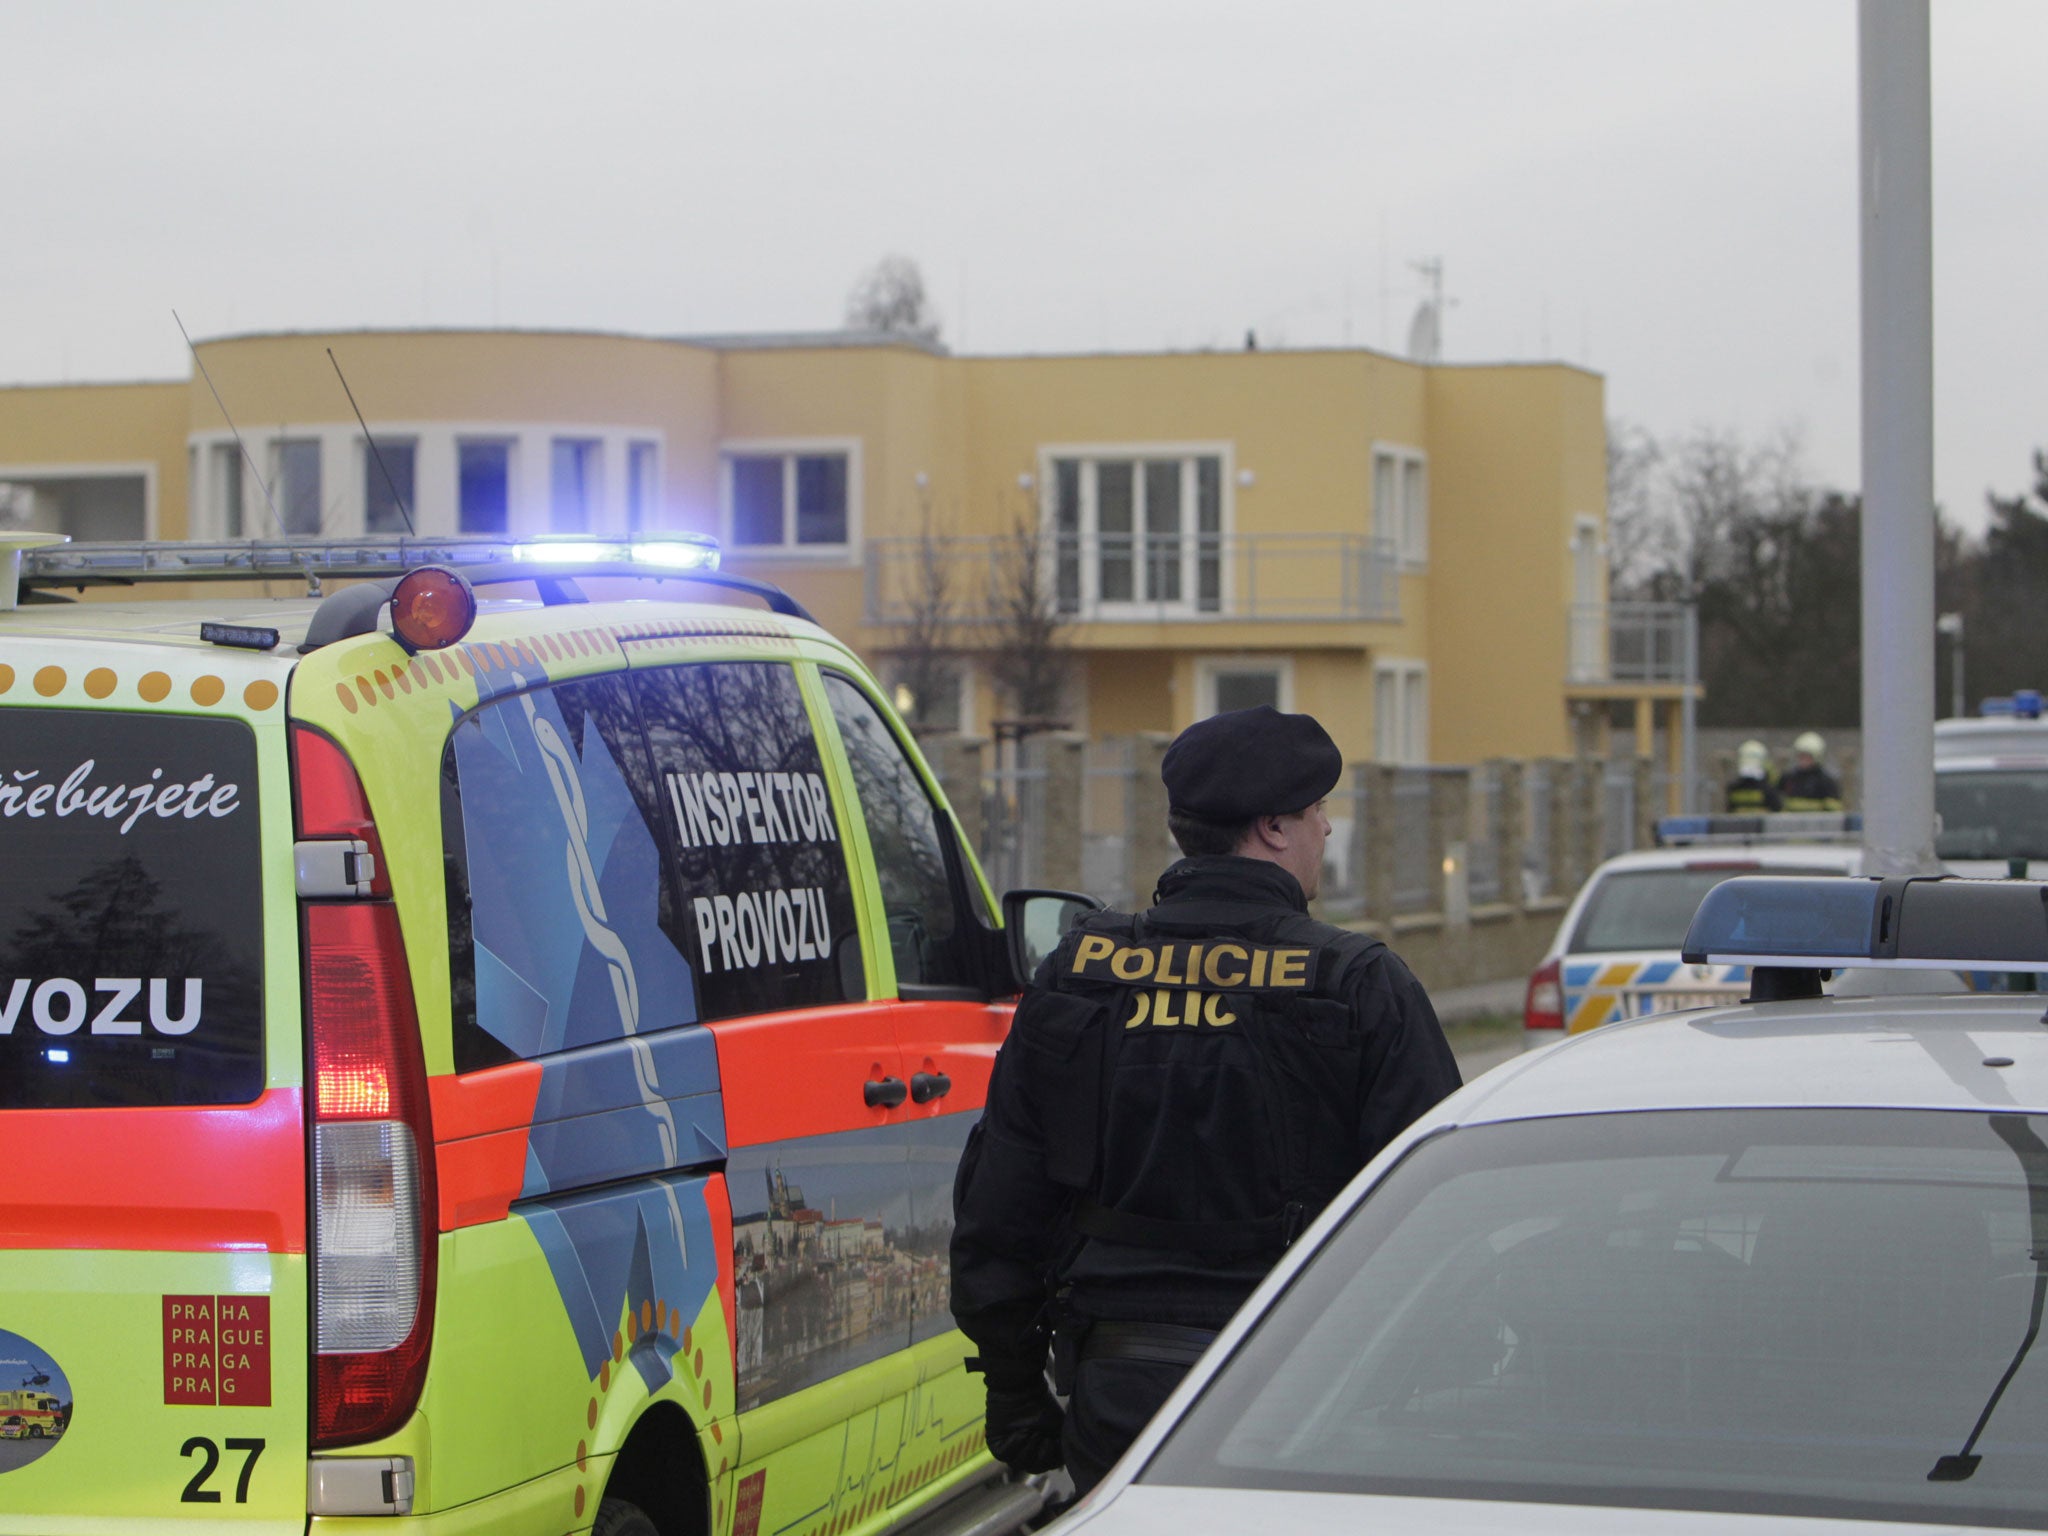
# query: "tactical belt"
1159,1343
1093,1219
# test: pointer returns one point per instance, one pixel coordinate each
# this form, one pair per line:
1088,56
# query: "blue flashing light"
1786,919
2026,703
1814,922
57,1054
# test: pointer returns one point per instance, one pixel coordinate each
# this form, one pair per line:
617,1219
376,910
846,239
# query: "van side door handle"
926,1086
886,1093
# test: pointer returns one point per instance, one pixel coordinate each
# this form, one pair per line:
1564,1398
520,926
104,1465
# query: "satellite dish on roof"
1426,330
1425,334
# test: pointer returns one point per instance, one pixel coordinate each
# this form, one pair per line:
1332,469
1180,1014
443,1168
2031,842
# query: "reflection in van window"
907,838
762,887
131,910
558,932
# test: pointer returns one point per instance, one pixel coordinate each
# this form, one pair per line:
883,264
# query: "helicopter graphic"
39,1379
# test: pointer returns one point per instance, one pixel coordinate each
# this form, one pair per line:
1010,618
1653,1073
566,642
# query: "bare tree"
891,297
1027,632
925,662
1639,533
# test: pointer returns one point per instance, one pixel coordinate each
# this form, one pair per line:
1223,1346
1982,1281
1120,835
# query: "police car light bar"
1828,922
1777,827
68,564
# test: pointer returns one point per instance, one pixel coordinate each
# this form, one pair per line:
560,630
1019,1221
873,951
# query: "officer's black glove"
1024,1424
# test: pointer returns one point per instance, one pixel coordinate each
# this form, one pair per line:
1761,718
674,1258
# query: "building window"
298,483
388,475
1400,503
226,464
643,485
1140,529
1400,712
484,474
797,499
1226,683
573,479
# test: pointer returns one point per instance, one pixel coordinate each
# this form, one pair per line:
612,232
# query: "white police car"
1991,788
1615,955
1770,1266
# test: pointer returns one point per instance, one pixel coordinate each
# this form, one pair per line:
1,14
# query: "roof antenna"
201,362
376,452
312,580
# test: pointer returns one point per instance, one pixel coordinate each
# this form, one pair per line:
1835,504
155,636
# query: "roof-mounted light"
677,552
1777,827
432,608
64,564
1827,922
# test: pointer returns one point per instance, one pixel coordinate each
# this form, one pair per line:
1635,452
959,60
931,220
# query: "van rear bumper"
546,1506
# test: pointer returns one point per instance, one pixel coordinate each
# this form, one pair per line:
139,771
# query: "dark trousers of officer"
1123,1374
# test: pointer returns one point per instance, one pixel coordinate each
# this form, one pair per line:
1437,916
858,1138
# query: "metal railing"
1138,578
1634,643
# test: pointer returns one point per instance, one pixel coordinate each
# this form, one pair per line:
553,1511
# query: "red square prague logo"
217,1350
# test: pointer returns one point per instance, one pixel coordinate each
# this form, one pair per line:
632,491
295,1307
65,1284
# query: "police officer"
1181,1091
1754,788
1809,786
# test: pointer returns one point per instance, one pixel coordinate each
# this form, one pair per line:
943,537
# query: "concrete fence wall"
1466,871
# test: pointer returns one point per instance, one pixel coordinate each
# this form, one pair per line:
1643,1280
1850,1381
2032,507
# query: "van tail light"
1543,1006
331,802
375,1230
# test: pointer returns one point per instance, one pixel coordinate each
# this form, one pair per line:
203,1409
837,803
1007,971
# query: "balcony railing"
1137,578
1634,643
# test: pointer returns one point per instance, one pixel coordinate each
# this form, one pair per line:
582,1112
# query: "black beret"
1250,762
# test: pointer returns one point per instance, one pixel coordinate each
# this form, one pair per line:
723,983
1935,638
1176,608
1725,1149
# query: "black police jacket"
1750,797
1811,789
1180,1092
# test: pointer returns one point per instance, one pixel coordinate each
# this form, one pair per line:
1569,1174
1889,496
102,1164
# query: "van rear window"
131,915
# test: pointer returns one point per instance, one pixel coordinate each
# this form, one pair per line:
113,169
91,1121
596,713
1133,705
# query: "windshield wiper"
2016,1133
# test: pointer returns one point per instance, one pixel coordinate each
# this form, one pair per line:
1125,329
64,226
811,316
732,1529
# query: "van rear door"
152,1209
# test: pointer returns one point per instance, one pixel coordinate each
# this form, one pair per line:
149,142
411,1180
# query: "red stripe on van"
158,1180
718,1201
481,1121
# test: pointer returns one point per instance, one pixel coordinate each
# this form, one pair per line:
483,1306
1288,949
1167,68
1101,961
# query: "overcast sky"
1665,192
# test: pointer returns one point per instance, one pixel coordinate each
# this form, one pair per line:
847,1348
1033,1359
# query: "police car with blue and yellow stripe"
1616,953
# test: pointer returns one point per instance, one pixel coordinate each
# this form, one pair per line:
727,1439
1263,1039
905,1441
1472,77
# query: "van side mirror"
1033,923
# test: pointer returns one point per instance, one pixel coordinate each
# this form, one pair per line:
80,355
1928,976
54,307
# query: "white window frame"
144,469
1406,523
437,445
1209,668
645,517
790,449
1403,739
369,475
1188,606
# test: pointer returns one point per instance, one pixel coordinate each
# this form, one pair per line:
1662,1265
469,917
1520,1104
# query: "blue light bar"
1776,827
1827,922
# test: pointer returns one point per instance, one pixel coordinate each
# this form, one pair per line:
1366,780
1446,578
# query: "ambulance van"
479,1066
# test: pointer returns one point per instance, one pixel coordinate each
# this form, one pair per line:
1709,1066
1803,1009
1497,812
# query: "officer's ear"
1269,832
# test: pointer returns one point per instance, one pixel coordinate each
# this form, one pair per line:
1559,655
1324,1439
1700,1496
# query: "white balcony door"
1138,535
1588,621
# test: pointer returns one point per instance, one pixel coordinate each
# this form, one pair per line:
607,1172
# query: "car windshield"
1651,908
1794,1312
1996,814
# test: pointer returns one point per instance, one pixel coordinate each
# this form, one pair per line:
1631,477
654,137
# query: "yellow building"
1412,552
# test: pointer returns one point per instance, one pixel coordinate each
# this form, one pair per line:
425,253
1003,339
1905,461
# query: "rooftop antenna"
1426,330
244,447
368,437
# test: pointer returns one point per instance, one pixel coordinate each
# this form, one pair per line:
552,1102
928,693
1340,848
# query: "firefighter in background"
1754,789
1809,786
